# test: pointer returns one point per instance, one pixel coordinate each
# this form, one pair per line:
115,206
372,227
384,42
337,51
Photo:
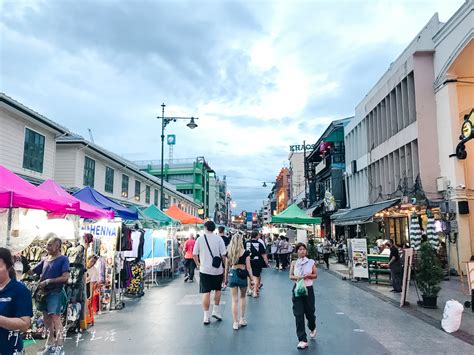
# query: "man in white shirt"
207,251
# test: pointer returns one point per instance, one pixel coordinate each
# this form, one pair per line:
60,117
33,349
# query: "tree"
429,273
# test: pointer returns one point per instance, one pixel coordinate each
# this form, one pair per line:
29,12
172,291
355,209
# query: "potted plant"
429,275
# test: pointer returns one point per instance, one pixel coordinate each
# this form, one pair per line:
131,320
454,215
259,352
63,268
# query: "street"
350,321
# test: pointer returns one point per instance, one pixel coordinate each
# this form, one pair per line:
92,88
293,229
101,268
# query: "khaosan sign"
300,148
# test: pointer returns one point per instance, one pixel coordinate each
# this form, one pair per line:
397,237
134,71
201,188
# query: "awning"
363,214
294,215
314,206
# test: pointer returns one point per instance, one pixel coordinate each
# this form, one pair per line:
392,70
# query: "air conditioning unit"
353,166
441,184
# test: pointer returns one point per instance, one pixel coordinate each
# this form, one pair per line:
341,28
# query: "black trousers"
303,306
284,260
190,265
277,260
326,259
396,273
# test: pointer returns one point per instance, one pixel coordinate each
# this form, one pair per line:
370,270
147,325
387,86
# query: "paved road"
350,321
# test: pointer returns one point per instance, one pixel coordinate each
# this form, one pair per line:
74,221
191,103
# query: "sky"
260,75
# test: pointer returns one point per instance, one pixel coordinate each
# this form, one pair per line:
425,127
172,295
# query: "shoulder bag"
216,260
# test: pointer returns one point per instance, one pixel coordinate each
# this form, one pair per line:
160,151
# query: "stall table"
373,261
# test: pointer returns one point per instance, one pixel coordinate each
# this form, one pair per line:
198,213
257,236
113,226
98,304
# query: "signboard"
249,224
300,148
406,275
171,139
105,229
359,258
249,217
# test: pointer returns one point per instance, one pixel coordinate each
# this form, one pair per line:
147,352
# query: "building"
453,64
266,212
326,167
192,177
398,146
298,189
42,149
282,190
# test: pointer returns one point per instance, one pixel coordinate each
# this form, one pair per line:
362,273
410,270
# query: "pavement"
168,320
450,289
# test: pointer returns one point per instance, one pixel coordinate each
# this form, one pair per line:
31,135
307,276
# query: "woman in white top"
304,306
237,270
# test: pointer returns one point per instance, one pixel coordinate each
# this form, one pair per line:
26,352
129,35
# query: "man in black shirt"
395,266
258,258
224,237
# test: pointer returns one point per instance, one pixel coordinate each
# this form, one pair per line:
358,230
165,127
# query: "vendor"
54,271
16,307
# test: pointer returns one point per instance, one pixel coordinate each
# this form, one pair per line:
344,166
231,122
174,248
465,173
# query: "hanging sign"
359,257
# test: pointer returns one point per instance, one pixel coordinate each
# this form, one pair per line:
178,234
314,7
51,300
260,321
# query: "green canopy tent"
156,214
294,215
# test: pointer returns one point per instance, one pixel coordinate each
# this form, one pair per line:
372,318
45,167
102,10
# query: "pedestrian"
16,307
189,264
258,258
51,297
395,266
326,251
210,255
303,305
238,269
276,254
284,247
225,238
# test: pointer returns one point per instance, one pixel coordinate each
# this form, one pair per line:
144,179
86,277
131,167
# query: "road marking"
339,312
359,330
193,300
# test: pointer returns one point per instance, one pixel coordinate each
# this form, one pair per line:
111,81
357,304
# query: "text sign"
300,148
359,257
102,229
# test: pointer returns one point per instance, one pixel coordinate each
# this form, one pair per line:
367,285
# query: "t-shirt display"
218,249
15,302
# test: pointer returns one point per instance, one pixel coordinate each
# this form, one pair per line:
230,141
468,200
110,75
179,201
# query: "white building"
39,149
297,174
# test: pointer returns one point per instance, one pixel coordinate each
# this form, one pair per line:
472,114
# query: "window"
33,153
155,200
137,190
124,186
89,172
109,180
147,194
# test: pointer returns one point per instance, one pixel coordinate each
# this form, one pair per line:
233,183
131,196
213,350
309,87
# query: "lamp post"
164,122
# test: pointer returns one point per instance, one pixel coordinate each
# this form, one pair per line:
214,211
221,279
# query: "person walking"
54,271
395,266
326,251
238,268
258,258
303,305
225,238
210,255
16,307
284,249
189,264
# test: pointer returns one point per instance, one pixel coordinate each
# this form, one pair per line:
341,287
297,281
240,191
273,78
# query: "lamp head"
192,124
264,184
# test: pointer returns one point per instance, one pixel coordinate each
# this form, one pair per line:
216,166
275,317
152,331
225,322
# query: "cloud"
260,75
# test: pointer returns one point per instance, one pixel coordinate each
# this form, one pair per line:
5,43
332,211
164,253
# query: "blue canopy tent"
91,196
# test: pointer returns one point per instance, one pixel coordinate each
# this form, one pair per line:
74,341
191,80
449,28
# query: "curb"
460,334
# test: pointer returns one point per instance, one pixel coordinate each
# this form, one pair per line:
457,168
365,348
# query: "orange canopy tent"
185,218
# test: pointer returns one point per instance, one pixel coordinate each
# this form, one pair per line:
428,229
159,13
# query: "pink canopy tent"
84,210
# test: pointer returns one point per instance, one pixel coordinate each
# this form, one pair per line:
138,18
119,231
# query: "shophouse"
282,190
298,188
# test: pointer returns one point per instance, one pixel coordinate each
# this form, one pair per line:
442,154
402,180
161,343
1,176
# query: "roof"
362,214
77,139
32,114
329,130
295,215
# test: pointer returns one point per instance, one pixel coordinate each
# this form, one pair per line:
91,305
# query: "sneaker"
255,295
243,322
49,349
313,334
206,319
216,313
186,278
249,292
59,350
190,280
235,326
302,345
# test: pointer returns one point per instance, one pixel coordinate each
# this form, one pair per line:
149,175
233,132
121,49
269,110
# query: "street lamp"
268,182
164,122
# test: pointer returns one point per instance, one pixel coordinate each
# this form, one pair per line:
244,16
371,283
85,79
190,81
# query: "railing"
184,162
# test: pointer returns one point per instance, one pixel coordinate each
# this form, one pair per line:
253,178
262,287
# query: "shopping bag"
452,316
300,289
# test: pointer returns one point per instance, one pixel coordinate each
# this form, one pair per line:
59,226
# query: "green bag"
300,289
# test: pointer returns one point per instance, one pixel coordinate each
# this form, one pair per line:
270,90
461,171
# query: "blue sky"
260,75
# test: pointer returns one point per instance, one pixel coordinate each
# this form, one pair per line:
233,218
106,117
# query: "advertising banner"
406,275
359,257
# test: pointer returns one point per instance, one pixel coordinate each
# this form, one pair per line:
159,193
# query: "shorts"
208,283
55,303
235,281
256,267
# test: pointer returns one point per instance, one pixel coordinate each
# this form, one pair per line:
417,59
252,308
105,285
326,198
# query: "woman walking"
303,270
237,270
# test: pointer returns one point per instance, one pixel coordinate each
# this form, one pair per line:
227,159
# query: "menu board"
359,257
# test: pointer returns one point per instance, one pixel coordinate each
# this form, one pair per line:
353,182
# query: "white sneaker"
302,345
249,292
216,313
312,334
206,319
235,326
243,322
49,349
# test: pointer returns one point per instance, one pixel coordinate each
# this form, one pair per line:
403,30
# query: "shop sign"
101,229
360,267
171,139
300,148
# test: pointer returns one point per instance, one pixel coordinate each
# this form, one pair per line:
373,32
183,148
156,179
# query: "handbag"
300,289
216,260
40,295
242,273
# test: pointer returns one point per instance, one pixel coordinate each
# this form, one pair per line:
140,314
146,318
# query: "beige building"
38,149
